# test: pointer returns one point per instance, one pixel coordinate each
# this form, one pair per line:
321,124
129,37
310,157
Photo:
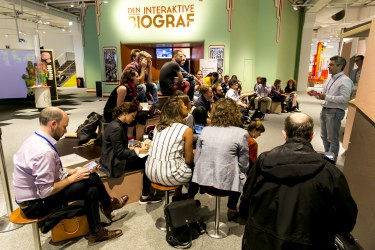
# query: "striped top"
166,163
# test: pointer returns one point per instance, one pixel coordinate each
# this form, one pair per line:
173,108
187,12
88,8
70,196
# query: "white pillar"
78,49
304,60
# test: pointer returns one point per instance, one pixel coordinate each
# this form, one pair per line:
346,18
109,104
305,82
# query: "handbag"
70,228
184,223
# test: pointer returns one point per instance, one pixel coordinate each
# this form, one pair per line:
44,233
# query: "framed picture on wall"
217,52
110,64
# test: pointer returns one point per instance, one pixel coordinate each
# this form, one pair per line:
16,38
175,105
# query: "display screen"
17,73
163,53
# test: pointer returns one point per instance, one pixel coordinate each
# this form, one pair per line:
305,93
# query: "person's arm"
187,137
149,72
243,153
142,74
345,207
79,174
121,94
180,77
119,143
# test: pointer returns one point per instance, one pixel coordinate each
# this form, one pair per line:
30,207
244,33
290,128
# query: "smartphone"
92,165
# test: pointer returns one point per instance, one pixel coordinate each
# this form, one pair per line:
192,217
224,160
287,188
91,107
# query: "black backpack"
184,223
87,130
258,115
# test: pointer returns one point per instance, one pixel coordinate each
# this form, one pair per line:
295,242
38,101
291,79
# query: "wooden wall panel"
359,170
365,100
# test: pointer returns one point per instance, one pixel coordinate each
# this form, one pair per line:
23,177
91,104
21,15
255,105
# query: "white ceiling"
54,15
356,12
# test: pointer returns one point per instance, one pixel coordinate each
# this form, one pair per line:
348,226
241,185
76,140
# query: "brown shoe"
115,204
103,235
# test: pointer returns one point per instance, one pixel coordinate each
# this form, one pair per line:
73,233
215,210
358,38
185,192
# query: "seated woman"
117,156
291,92
127,92
255,129
222,153
277,95
171,151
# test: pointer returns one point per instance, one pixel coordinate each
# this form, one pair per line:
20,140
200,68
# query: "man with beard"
218,92
42,185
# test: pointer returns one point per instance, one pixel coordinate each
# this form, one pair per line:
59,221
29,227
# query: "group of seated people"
223,157
269,94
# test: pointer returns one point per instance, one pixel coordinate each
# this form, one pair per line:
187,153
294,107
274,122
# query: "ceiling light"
6,35
19,32
44,32
62,29
70,23
71,5
105,2
295,7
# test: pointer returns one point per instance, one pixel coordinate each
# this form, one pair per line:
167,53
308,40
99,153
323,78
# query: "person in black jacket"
116,154
295,198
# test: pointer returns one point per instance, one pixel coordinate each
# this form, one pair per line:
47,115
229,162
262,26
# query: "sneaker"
149,200
103,235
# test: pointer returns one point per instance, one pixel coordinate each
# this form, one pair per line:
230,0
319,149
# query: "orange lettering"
149,20
158,21
190,18
169,20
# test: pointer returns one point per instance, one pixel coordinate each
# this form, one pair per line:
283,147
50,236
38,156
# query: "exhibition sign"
159,16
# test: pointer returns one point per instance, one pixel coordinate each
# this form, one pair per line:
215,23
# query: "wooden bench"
18,217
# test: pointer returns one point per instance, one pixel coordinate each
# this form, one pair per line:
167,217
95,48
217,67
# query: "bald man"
41,184
295,198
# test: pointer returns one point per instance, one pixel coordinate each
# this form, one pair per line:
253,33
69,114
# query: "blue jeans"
330,124
148,88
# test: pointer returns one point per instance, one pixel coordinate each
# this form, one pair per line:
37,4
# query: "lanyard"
44,138
326,92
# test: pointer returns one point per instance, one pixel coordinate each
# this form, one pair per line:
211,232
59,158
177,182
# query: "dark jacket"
115,149
296,199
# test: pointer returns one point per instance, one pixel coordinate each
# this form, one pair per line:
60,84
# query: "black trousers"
91,190
134,163
281,99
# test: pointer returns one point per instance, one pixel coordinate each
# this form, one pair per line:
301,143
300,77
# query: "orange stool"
160,222
18,217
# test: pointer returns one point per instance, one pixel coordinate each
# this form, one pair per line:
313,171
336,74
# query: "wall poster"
110,64
47,65
217,52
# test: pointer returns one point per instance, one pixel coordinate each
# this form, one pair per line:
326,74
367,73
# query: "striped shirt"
166,163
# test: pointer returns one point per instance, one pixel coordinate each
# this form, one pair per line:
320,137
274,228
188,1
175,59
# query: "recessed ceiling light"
72,5
62,29
19,32
70,23
44,32
105,2
6,35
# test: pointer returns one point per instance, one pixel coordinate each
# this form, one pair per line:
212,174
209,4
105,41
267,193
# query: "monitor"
163,53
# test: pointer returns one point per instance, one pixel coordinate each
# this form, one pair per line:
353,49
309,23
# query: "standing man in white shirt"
336,94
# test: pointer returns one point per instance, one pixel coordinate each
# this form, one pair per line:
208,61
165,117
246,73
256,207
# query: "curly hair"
225,113
170,113
291,80
127,76
126,107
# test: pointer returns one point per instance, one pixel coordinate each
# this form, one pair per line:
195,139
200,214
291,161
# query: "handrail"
68,67
65,56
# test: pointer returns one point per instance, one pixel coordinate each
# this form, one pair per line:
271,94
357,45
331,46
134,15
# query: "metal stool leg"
217,229
37,244
160,223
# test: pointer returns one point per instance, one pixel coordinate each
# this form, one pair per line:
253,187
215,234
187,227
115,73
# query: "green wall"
250,48
92,61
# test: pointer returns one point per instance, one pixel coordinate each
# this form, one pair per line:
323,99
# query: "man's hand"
79,174
322,96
